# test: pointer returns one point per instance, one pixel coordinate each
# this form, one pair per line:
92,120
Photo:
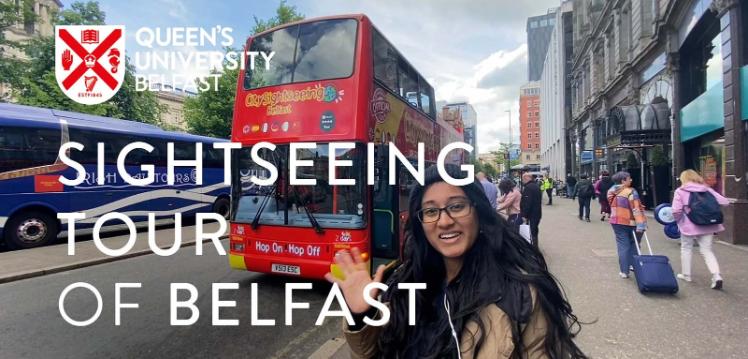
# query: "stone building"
656,88
172,103
529,123
27,29
555,99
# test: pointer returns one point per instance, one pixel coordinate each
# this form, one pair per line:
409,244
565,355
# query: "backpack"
586,191
704,209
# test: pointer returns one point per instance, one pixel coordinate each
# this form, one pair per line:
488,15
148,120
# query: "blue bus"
31,194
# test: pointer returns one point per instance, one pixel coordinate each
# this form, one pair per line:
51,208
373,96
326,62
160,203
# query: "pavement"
697,322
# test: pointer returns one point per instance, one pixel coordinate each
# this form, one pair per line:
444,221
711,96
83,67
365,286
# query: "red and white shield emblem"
90,61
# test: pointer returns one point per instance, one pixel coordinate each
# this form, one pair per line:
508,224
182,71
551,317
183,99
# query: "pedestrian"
492,193
488,292
601,190
530,206
626,216
571,182
547,186
692,184
585,191
510,202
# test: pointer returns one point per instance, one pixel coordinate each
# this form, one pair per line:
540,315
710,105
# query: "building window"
537,135
536,146
537,157
527,157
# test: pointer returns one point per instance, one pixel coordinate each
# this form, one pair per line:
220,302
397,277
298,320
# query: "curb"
84,263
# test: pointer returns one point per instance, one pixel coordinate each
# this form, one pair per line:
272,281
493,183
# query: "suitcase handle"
636,243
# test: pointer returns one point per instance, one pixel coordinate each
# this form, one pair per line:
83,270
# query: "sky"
469,50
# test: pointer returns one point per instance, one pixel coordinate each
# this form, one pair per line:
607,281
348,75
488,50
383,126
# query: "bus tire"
30,229
222,206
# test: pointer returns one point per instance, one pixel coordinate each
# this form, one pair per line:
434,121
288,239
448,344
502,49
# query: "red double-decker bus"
331,79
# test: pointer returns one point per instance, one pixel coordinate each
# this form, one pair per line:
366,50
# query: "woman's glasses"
454,210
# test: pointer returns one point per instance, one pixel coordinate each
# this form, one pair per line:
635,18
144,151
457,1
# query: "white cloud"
176,9
471,51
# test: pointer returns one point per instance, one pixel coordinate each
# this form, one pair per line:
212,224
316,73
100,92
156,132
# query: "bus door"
385,245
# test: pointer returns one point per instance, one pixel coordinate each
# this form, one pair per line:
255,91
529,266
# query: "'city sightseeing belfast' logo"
89,61
380,107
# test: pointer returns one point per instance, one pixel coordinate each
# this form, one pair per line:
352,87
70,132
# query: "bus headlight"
237,247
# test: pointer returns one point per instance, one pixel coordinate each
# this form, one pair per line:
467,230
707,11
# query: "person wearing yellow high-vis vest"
547,186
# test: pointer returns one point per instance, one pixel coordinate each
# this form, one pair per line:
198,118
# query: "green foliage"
87,13
211,111
501,156
34,83
659,158
283,15
488,168
12,13
631,161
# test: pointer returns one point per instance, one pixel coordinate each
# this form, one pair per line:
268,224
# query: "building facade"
38,25
657,87
539,30
555,98
469,122
171,101
529,123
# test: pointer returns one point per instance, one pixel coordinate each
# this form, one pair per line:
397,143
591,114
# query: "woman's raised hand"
357,277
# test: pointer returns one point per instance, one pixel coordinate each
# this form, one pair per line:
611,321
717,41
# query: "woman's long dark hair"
506,185
498,256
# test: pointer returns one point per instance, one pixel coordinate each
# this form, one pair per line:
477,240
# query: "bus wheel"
222,206
30,229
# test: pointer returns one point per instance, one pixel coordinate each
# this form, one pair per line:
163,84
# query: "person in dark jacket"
571,181
601,190
530,206
585,192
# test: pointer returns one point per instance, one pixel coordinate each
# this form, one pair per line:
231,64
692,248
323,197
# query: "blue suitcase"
653,273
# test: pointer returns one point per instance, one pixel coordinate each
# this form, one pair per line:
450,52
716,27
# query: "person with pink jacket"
690,232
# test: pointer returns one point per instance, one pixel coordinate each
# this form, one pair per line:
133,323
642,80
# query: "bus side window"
408,81
88,139
14,154
212,158
385,61
426,97
184,150
44,145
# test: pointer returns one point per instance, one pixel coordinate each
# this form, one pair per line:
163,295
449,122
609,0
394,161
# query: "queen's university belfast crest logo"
90,61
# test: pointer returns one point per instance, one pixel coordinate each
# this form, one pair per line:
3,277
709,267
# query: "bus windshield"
283,204
320,50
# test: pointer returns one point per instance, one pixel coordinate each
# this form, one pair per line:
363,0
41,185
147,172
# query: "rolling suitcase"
653,273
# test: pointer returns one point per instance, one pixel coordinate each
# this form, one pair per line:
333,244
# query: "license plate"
286,269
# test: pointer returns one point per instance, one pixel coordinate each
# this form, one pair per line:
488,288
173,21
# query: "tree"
36,85
502,156
211,111
12,13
